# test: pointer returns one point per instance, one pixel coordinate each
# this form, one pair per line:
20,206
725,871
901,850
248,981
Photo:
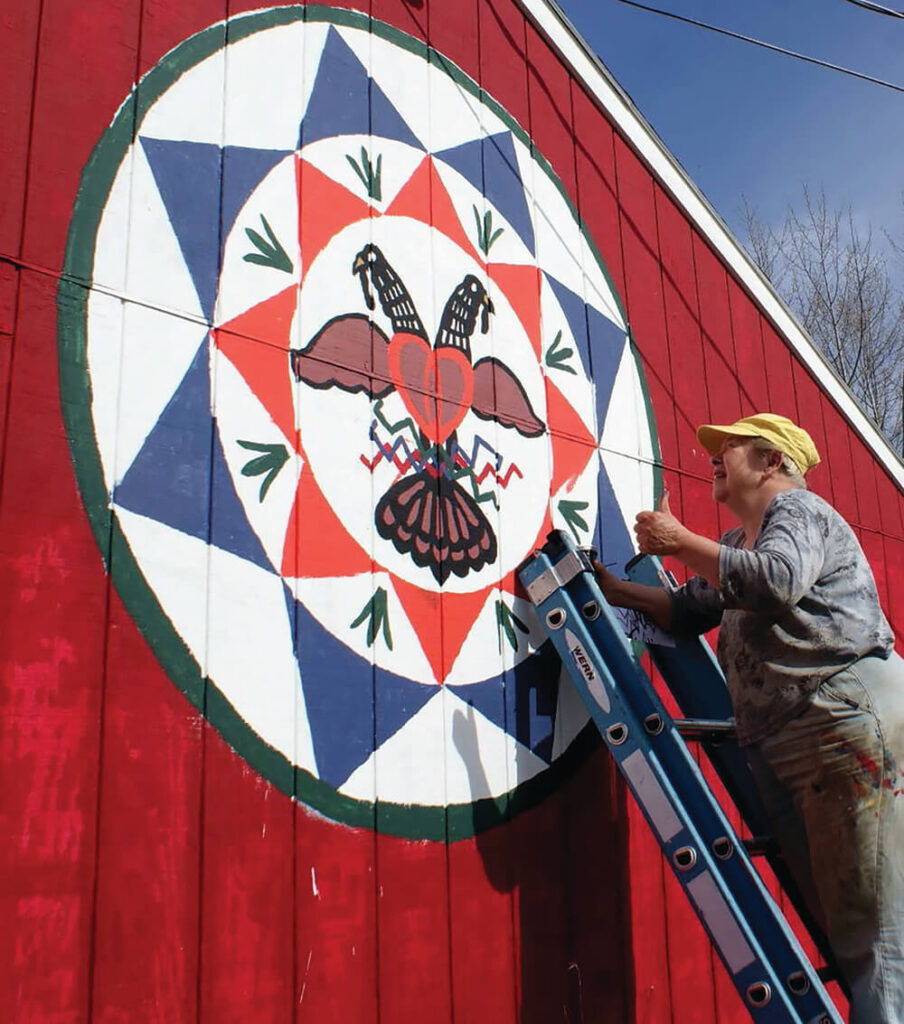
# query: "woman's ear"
773,462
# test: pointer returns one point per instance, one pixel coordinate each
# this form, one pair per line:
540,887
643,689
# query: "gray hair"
788,466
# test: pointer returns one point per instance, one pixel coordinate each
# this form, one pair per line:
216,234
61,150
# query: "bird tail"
437,523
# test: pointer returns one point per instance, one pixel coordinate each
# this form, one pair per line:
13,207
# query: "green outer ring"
449,823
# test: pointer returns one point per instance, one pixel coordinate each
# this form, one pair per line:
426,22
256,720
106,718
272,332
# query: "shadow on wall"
564,863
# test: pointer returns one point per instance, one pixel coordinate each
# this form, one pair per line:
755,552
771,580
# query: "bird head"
364,262
473,287
366,258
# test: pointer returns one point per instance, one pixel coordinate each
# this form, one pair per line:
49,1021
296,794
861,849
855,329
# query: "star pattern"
204,188
326,208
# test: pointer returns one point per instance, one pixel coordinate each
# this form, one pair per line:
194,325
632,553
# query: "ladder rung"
705,728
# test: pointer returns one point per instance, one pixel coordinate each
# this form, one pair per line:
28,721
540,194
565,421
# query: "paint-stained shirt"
793,610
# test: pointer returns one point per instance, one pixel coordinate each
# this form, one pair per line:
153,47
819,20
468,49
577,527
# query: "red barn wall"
147,873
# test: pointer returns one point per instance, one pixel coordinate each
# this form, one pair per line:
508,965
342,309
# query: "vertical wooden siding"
148,873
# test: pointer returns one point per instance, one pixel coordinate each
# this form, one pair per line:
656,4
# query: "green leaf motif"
571,513
506,622
486,236
270,252
557,358
272,460
376,611
369,173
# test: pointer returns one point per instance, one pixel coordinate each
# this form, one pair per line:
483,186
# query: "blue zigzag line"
475,450
388,453
441,461
456,450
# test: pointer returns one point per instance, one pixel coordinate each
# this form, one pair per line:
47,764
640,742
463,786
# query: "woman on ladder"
817,688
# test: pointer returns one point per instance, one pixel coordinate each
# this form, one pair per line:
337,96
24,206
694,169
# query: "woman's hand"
659,532
609,583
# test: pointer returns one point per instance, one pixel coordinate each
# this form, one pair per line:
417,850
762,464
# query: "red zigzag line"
400,466
501,480
488,470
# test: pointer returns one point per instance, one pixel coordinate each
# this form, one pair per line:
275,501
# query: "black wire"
868,5
767,46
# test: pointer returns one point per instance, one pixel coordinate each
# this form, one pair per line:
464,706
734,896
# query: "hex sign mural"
369,360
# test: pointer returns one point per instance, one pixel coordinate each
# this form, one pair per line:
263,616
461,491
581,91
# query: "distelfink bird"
426,514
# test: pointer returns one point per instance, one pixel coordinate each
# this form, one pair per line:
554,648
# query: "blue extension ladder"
692,674
771,972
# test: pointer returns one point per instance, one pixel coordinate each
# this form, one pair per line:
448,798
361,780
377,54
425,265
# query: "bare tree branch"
836,280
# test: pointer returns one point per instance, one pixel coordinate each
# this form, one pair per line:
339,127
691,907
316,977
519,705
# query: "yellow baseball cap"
787,437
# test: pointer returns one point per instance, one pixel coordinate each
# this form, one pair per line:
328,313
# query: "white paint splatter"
314,888
305,982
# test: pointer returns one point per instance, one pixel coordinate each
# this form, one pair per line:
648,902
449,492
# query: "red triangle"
521,286
562,418
569,460
508,583
424,197
317,544
324,208
440,620
511,584
256,343
573,445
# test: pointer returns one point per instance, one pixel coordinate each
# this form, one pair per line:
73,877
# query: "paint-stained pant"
833,782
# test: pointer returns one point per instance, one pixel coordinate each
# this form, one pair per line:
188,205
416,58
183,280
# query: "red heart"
436,385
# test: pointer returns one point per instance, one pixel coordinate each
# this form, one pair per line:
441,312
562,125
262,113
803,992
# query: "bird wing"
348,352
499,396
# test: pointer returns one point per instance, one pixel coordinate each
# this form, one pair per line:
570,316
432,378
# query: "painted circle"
215,589
520,511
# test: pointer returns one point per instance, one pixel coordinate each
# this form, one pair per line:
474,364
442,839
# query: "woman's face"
737,469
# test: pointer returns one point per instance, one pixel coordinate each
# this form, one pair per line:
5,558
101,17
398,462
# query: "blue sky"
744,121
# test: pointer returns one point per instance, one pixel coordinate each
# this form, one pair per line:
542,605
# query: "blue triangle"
169,481
243,170
345,100
522,701
353,707
188,177
575,310
611,537
607,346
600,344
491,166
230,529
180,474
